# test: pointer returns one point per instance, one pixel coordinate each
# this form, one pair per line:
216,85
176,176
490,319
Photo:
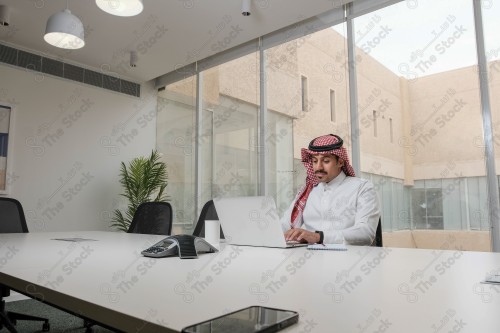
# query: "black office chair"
208,212
152,218
12,220
378,234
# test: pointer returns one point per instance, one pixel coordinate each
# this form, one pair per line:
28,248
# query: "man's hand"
301,235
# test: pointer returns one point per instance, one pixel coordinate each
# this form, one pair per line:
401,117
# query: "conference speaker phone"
184,246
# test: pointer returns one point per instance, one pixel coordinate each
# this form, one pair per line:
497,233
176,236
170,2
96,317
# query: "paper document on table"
493,279
327,247
75,239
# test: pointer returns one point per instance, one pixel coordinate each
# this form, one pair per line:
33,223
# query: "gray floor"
60,321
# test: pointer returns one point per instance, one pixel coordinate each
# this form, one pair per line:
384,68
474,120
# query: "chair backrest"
12,216
378,234
152,218
208,212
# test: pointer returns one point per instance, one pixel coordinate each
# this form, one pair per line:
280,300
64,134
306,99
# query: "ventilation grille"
36,63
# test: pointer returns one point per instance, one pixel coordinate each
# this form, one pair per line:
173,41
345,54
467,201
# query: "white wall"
68,142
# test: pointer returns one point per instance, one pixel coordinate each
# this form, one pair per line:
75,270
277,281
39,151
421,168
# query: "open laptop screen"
250,221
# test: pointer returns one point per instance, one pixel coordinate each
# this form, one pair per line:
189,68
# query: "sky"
424,37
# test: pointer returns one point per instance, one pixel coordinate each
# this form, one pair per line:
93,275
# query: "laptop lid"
250,221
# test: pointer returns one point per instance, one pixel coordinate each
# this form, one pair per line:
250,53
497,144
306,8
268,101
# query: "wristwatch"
321,236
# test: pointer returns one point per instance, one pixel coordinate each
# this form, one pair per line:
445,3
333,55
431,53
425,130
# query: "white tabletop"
364,289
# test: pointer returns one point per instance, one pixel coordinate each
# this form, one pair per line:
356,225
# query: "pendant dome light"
65,30
121,7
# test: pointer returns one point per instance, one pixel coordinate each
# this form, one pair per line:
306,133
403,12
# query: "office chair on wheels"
208,212
12,220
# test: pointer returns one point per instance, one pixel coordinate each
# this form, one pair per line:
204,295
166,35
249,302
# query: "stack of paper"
328,247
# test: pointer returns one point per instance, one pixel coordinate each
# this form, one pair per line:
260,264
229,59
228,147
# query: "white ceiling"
166,35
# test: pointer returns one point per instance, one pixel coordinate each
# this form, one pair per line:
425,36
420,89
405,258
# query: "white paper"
328,247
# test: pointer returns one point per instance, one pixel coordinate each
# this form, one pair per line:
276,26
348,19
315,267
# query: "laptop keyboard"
294,243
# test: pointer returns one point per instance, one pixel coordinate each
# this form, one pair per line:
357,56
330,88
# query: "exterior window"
303,80
391,133
332,105
427,207
440,190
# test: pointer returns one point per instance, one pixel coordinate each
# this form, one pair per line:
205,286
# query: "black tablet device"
254,319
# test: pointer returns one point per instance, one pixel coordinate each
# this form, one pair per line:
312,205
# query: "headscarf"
324,145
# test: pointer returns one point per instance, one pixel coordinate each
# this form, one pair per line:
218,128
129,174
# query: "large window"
306,99
175,139
279,143
218,154
419,122
426,111
230,147
491,24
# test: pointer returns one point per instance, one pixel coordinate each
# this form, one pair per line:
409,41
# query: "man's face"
326,167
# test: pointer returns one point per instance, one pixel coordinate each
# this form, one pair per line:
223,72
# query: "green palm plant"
144,180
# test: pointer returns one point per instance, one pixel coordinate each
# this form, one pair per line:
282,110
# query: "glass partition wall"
230,123
419,121
175,135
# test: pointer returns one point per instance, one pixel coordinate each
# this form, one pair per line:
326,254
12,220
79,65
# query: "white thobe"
346,209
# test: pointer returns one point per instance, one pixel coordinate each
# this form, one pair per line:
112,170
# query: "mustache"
320,171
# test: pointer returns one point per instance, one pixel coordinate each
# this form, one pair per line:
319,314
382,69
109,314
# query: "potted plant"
144,180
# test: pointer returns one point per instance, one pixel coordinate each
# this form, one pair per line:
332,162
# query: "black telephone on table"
185,246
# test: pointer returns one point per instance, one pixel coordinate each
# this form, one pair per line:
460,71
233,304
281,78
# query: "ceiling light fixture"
245,8
65,30
121,7
4,15
133,59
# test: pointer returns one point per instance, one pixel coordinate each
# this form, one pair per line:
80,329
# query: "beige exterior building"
410,130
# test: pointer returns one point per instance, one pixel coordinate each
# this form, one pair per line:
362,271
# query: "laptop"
251,221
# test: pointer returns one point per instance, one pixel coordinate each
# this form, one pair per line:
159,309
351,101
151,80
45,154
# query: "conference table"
103,277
